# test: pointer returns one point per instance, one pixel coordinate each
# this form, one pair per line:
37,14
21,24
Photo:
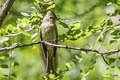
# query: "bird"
48,32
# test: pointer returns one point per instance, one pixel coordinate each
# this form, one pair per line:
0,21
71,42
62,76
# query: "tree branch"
56,45
5,9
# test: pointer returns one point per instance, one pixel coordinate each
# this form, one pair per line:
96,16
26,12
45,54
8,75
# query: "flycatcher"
48,32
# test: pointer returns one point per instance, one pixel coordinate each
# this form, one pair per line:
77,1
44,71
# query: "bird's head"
50,17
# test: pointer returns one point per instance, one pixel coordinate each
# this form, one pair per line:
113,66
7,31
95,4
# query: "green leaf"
118,69
115,32
68,65
84,78
38,1
58,71
5,76
15,64
3,57
62,37
10,28
78,58
103,23
51,7
3,32
35,39
64,24
74,31
44,78
116,76
6,43
3,66
23,22
116,37
26,33
107,75
113,41
83,35
117,11
14,75
76,24
90,28
100,39
73,38
25,14
51,76
114,68
35,20
111,68
34,35
109,22
117,2
109,3
111,60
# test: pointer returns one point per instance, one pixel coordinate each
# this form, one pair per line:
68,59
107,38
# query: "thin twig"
56,45
14,34
115,51
5,9
47,43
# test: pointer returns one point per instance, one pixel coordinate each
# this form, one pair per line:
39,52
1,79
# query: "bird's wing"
56,32
44,48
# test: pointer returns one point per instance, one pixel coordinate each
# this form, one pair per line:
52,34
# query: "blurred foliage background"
88,13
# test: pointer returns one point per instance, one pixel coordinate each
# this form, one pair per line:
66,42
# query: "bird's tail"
51,65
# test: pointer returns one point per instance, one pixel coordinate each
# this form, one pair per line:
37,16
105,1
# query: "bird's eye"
51,18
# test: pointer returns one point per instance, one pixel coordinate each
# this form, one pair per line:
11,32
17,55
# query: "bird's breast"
48,31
